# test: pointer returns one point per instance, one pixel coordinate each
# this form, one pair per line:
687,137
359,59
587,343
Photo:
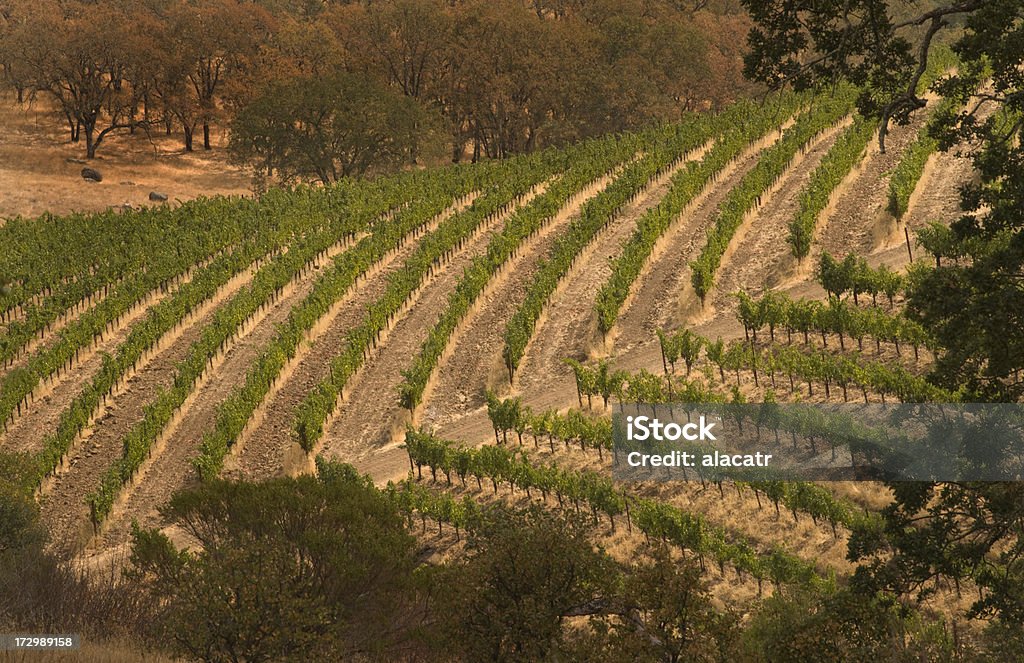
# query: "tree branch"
909,99
941,12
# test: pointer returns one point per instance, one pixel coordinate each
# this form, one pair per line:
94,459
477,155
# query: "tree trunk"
74,127
206,135
90,143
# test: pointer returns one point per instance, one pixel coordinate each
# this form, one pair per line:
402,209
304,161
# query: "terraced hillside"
144,352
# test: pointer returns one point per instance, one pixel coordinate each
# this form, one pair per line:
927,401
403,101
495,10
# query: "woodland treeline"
320,89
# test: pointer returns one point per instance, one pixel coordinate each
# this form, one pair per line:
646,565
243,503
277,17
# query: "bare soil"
56,392
371,416
169,468
64,508
655,301
859,219
474,362
270,449
568,325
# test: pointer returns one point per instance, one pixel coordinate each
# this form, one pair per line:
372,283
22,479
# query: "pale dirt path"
44,337
759,257
858,221
64,509
57,392
568,325
269,449
937,197
169,468
475,428
371,415
654,302
474,363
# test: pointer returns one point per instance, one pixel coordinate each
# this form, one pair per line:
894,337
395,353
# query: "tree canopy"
505,76
291,568
329,128
972,302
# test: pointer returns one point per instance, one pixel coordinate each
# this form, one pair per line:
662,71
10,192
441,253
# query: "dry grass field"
40,170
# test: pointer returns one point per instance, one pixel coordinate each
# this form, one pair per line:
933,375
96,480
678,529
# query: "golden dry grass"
36,175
